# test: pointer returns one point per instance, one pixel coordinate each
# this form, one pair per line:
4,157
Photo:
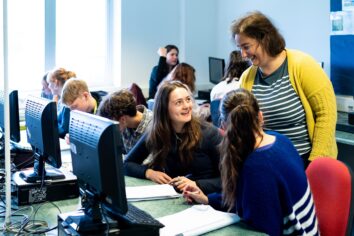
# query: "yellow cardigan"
316,93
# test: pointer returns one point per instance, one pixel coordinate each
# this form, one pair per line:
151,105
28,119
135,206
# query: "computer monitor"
14,115
216,69
42,135
96,151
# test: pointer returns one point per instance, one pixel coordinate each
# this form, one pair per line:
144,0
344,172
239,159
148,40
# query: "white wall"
305,24
200,28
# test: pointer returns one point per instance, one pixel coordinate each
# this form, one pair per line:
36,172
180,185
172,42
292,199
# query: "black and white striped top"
281,106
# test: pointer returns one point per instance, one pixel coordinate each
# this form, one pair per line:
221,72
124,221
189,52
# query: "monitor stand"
39,173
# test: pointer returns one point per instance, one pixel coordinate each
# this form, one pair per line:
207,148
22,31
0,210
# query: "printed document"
196,220
151,192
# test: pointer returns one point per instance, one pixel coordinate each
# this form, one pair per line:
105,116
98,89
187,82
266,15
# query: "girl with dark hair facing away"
167,61
231,80
184,150
295,95
262,174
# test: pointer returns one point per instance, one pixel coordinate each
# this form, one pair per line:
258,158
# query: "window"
77,35
25,43
81,39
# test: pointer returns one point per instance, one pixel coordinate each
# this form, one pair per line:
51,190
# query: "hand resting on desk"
192,194
157,176
180,182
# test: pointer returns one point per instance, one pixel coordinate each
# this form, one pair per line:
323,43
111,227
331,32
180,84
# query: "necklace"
178,138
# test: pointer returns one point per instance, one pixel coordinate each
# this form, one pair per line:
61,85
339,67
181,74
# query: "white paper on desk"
151,192
196,220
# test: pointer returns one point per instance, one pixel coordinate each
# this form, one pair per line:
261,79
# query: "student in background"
263,178
133,119
46,92
167,61
186,74
184,150
56,80
231,80
76,96
294,93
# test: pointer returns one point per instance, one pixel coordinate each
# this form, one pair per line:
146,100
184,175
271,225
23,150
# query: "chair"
215,113
331,183
138,94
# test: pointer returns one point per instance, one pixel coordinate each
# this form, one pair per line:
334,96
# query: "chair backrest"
331,185
215,113
138,94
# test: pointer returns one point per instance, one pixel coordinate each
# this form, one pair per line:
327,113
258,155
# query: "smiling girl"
184,150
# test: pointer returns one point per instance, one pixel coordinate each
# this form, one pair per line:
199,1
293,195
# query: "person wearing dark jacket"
183,150
167,61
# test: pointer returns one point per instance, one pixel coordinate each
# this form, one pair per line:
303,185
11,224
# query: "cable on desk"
38,226
24,163
13,227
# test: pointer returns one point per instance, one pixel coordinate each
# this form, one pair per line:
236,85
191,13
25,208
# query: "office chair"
215,113
331,183
138,94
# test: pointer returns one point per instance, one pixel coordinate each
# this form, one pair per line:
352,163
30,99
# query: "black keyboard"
138,217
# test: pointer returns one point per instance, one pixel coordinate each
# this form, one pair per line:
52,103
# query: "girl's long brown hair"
240,110
161,133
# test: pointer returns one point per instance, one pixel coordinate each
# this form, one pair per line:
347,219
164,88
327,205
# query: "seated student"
179,143
133,119
263,178
56,79
46,92
77,96
167,61
231,80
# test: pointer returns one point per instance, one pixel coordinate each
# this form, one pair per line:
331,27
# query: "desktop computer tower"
24,193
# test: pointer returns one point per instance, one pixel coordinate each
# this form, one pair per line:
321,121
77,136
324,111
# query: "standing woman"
184,150
56,79
262,174
295,95
167,61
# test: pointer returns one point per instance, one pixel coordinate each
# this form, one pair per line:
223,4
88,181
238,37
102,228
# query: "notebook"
196,220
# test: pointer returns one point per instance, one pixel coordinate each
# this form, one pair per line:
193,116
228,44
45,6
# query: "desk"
157,208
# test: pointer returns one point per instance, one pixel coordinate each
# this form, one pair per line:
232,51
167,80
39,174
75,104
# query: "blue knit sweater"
273,194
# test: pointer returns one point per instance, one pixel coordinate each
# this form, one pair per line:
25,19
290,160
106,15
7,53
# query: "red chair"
331,183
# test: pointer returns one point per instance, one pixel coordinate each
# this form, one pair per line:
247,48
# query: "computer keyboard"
138,217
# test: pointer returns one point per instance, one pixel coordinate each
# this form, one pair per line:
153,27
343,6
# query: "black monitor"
14,115
96,151
42,135
216,69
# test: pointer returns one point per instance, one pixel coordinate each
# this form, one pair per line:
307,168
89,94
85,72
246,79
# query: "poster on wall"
342,22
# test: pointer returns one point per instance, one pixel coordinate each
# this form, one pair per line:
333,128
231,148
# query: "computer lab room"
162,117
